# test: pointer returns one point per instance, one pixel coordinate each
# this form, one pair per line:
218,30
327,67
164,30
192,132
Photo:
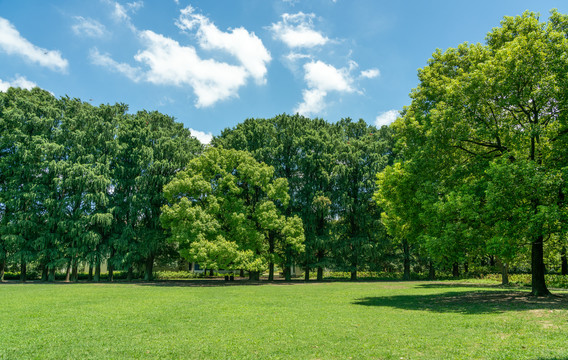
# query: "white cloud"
20,82
133,73
88,27
12,43
165,61
313,102
243,45
326,77
173,64
386,118
297,31
203,137
120,12
370,73
322,78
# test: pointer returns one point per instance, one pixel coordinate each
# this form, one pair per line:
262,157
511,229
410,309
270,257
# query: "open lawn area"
330,320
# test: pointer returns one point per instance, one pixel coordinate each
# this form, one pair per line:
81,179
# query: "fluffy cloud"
88,27
165,61
297,31
173,64
20,82
133,73
120,12
370,73
321,79
386,118
246,47
11,42
203,137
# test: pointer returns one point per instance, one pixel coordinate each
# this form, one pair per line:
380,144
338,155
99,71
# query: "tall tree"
363,152
27,120
496,109
153,148
224,212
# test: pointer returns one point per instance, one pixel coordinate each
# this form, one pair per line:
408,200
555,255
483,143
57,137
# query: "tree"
302,151
363,152
27,120
481,112
223,211
152,149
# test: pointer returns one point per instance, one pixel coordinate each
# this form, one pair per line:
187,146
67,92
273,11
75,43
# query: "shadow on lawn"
469,302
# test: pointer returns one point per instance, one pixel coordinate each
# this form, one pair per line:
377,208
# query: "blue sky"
212,64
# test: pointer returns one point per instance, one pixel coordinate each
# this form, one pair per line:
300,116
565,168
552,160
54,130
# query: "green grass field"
332,320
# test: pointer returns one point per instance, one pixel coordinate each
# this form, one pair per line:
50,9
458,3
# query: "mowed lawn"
332,320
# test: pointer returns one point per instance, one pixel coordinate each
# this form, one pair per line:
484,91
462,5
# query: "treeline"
83,184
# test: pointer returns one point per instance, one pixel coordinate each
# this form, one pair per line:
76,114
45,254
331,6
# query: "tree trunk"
353,275
68,271
271,255
148,275
492,260
564,260
242,273
97,276
288,264
320,273
307,274
23,270
110,273
232,277
75,272
538,270
254,275
431,271
44,272
51,277
455,270
90,277
505,274
465,267
406,260
271,271
2,269
211,272
129,275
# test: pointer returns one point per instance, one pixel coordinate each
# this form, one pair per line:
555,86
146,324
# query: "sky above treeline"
213,64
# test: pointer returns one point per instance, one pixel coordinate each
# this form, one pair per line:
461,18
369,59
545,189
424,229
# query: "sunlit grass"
336,320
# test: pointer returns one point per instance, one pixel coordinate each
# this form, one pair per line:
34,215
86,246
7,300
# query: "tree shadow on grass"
469,302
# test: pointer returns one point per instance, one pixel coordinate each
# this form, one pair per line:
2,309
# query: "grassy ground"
333,320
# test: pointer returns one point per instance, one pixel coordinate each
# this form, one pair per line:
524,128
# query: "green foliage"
479,145
82,183
224,212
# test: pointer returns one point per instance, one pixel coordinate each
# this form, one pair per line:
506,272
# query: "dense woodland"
471,175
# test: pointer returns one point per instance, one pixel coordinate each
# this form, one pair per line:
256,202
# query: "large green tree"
224,212
484,123
363,151
152,149
27,122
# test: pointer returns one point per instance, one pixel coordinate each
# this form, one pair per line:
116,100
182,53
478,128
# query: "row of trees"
84,184
80,183
483,165
330,170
